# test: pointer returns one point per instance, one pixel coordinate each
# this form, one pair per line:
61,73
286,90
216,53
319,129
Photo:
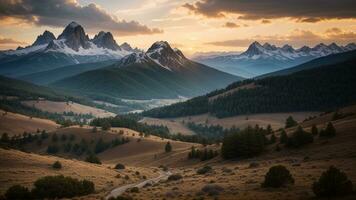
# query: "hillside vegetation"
317,89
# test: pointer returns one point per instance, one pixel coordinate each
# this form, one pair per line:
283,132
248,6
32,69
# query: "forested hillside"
318,89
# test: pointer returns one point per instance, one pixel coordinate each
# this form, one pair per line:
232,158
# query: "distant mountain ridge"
160,72
72,46
260,59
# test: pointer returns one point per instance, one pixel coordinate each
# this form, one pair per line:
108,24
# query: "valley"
172,100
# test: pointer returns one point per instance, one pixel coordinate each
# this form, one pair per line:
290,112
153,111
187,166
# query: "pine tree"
329,131
290,122
168,147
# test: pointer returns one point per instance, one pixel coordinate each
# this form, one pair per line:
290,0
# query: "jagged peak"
73,24
45,38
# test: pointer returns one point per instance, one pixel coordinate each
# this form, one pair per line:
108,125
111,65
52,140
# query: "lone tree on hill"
332,183
290,122
168,147
329,131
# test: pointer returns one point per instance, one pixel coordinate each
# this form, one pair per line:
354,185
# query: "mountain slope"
161,72
318,89
260,59
46,77
319,62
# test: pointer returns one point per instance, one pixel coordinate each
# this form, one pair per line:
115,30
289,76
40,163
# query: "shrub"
329,131
299,138
175,177
18,192
212,189
121,198
332,183
93,159
204,170
168,147
61,187
290,122
135,190
57,165
277,176
119,166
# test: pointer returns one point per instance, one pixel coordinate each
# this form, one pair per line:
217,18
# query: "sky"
190,25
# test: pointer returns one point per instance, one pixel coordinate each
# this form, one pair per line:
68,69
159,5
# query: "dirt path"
163,175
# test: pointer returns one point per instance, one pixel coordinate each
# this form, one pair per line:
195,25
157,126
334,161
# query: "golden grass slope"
276,120
14,124
60,107
18,167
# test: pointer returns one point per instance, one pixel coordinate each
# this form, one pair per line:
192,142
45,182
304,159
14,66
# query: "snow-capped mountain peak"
45,38
160,53
105,40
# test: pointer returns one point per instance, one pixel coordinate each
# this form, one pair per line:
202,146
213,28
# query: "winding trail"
163,175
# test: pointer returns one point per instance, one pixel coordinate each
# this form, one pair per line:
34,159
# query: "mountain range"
72,46
160,72
260,59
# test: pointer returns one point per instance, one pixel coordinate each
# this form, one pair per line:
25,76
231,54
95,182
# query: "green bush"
277,176
61,187
18,192
175,177
93,159
332,183
57,165
299,138
119,166
204,170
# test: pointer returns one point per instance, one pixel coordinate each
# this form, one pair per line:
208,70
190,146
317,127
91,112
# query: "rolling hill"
161,72
47,77
318,89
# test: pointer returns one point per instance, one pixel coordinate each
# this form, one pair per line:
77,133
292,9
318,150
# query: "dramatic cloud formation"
231,25
58,13
301,10
296,38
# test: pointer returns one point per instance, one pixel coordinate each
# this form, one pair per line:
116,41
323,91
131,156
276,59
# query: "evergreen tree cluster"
131,123
212,133
299,138
244,144
202,155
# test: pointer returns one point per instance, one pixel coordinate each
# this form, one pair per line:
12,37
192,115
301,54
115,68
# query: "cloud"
296,38
231,25
300,10
58,13
266,21
9,41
